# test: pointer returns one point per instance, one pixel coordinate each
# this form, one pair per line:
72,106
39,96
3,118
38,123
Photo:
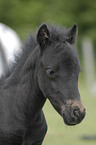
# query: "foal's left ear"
43,36
72,33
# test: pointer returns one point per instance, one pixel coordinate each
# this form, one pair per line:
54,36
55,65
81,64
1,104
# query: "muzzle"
74,112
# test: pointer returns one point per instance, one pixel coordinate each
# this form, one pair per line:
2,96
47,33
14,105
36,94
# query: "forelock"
57,33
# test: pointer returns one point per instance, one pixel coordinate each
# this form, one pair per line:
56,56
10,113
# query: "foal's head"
58,72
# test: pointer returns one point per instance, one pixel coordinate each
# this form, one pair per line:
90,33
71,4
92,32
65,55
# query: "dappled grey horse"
48,68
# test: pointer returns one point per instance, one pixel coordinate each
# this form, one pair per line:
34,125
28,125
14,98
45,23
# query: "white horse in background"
10,45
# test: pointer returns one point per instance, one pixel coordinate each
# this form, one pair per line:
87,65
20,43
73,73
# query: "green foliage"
27,14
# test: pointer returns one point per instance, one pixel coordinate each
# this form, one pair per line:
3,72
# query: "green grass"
60,134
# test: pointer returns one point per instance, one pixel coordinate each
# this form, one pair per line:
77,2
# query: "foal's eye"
50,73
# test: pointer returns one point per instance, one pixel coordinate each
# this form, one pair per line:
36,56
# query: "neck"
30,97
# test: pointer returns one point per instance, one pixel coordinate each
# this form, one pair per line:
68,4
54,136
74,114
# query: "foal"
48,68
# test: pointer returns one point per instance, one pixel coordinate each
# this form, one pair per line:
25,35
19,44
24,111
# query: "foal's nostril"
76,112
78,115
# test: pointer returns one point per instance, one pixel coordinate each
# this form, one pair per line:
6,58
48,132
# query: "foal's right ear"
43,36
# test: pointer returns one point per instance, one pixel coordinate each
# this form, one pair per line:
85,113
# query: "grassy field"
60,134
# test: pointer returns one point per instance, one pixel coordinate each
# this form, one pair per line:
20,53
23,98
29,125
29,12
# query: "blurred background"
20,17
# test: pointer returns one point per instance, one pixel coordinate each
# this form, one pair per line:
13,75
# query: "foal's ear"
43,36
72,33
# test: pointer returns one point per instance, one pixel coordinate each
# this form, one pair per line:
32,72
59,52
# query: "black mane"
30,43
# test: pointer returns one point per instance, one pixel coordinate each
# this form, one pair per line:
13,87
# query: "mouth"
69,121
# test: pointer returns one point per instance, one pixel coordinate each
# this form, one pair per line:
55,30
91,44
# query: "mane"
28,45
56,34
